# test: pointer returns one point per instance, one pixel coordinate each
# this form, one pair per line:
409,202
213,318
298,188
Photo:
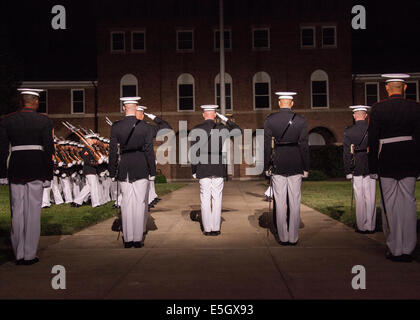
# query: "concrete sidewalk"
245,262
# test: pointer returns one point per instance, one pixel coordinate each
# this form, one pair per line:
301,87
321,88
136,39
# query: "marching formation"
90,169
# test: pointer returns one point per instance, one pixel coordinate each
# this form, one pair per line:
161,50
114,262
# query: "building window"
185,40
185,84
262,88
307,37
227,38
117,41
228,91
138,41
412,91
128,87
319,89
261,38
371,93
329,37
77,101
43,102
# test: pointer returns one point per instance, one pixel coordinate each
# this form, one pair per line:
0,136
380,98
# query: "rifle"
76,131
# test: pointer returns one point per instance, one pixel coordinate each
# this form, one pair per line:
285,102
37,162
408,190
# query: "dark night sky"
389,44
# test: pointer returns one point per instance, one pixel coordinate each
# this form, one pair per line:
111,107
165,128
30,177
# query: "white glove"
112,179
151,116
349,176
418,178
374,176
4,181
194,176
267,173
152,178
305,174
46,184
222,117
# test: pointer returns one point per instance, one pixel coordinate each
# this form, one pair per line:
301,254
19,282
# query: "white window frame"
179,82
417,89
377,91
132,42
335,37
301,38
46,101
259,29
112,49
328,89
214,39
130,80
177,42
228,79
84,101
254,81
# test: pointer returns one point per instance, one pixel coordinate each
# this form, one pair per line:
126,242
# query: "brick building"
167,53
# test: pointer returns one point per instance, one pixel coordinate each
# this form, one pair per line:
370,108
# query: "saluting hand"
305,174
222,117
151,116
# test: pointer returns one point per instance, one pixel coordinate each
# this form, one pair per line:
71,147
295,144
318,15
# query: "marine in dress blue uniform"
30,137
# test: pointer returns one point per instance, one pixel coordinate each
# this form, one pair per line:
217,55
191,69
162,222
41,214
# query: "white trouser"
46,199
113,190
269,192
58,199
400,205
134,208
106,185
365,196
26,201
283,187
211,193
91,188
152,191
67,192
76,186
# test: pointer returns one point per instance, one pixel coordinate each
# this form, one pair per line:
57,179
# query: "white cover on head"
126,100
286,95
209,107
359,108
141,108
395,77
33,92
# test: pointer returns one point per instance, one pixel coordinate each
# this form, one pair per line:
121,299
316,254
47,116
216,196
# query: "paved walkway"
245,262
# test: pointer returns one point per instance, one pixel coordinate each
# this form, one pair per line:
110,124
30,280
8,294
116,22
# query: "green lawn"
63,219
333,198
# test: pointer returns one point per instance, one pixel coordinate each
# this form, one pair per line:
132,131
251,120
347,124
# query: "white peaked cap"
33,92
141,108
126,100
286,95
209,107
359,108
395,77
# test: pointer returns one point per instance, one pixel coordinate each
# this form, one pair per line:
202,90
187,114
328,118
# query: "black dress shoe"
128,244
215,233
138,244
293,243
75,205
20,262
207,233
360,231
30,262
283,243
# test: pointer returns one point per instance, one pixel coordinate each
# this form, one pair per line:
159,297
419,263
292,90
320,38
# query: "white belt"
393,140
27,147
